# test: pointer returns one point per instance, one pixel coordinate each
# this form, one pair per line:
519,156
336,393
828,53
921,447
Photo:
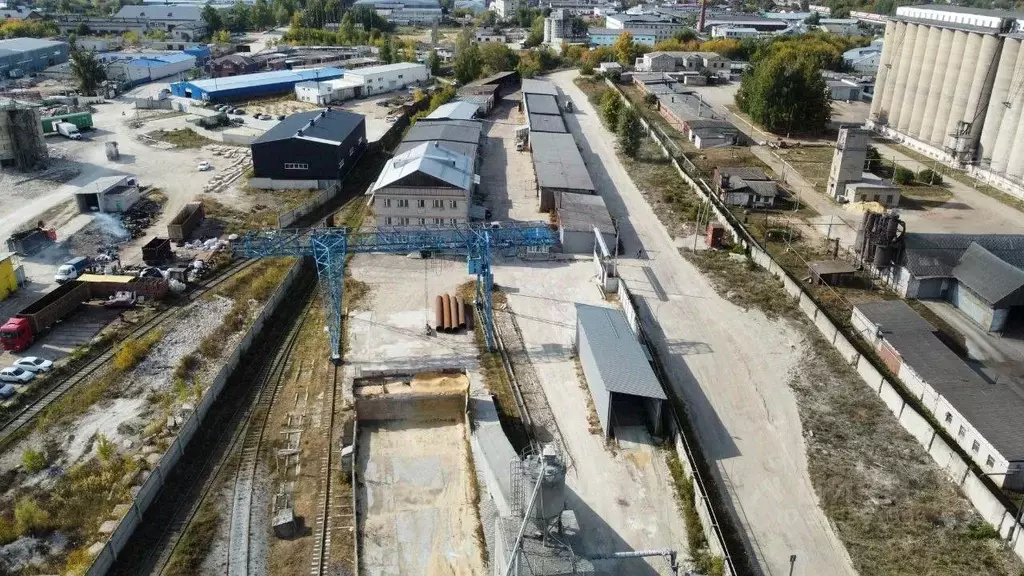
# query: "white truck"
68,130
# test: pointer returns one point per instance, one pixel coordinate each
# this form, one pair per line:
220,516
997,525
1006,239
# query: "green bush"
8,533
33,461
586,69
981,530
929,176
29,518
651,100
903,176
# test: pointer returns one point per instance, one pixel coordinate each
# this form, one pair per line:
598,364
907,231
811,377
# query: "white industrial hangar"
949,86
622,383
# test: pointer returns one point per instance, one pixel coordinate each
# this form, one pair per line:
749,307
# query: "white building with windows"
428,185
385,78
505,8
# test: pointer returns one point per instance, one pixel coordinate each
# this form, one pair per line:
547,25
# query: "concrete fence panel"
948,459
826,328
990,508
119,538
102,563
891,398
809,308
871,376
912,382
149,489
1005,527
917,426
845,348
792,288
170,457
1018,542
188,428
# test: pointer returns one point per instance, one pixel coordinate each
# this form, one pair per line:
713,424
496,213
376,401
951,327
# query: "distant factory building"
608,36
250,85
315,149
406,12
388,77
233,65
622,383
462,136
864,60
138,68
21,56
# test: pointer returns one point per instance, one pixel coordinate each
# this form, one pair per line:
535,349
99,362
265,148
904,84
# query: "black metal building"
320,145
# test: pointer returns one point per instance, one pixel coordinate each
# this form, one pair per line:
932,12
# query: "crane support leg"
330,269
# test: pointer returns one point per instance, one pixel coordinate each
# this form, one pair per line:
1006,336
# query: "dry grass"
892,506
181,137
255,284
238,221
593,421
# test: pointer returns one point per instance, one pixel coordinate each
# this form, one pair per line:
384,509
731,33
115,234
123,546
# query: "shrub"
33,461
7,532
903,176
929,176
586,69
650,99
133,351
29,518
105,448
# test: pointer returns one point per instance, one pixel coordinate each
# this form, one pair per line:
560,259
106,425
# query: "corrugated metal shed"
251,84
531,86
542,104
931,255
547,123
454,111
558,163
894,316
582,212
450,130
328,125
620,359
994,280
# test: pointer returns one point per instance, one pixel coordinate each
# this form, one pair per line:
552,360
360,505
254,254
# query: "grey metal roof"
26,44
762,188
558,163
619,357
988,276
542,104
432,159
582,212
464,148
445,131
531,86
161,12
831,267
746,173
454,111
546,123
701,123
993,409
935,255
331,125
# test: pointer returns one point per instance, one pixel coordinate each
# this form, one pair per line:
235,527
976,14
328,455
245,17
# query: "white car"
204,166
34,364
16,375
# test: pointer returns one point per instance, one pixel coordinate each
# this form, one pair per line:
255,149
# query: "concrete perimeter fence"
983,494
691,463
151,487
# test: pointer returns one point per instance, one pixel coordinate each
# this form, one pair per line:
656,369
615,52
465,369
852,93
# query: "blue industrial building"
20,56
251,85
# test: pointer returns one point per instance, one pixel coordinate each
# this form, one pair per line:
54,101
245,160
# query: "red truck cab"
16,334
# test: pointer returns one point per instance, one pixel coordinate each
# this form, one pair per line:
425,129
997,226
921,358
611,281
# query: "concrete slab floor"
507,178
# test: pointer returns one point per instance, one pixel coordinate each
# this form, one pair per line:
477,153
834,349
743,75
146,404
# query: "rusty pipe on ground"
447,313
439,314
460,309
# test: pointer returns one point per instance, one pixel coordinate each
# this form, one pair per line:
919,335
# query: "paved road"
732,369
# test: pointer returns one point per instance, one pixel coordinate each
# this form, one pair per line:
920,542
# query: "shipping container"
157,251
81,119
31,241
46,311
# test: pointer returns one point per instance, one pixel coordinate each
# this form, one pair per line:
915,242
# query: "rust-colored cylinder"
447,313
460,311
439,315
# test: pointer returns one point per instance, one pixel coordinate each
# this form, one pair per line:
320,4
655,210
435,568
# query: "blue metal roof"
214,85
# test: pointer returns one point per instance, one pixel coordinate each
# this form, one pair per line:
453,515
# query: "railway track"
178,504
331,510
11,429
239,560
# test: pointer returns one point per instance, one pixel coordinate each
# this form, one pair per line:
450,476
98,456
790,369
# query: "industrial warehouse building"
363,82
406,12
145,67
559,168
982,275
20,56
462,136
428,185
251,85
578,216
948,87
541,108
981,415
308,150
622,383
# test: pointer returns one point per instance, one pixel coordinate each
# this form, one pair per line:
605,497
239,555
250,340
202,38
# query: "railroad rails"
327,521
11,429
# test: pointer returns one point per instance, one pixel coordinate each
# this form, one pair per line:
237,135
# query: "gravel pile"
196,322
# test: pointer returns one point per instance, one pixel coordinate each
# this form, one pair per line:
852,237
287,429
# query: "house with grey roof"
622,383
749,187
427,185
982,415
982,275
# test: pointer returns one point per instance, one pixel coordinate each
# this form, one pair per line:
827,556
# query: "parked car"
34,364
237,121
7,391
16,375
238,111
204,166
256,115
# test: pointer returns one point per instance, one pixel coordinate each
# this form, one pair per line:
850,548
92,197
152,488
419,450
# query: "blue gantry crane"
330,247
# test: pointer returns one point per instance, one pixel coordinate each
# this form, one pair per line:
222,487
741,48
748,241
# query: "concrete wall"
411,407
150,488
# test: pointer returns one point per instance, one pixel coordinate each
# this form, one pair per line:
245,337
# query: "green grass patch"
195,544
181,137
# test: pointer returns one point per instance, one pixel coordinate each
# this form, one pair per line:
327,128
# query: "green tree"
82,29
29,518
347,28
387,51
211,16
611,108
157,34
87,70
130,38
630,132
929,176
222,37
468,64
786,93
627,51
497,57
813,20
239,17
33,461
903,176
685,35
262,15
434,62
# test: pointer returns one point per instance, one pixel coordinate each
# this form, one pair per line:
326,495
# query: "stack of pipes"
450,313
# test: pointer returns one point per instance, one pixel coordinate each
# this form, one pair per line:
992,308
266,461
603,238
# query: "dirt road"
731,367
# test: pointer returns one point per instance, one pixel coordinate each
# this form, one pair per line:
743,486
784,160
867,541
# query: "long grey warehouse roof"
620,359
463,148
542,104
993,409
547,123
582,212
445,130
931,255
331,126
431,159
558,163
996,281
25,44
531,86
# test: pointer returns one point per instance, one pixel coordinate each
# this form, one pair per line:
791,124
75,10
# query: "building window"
949,417
990,462
403,221
403,203
453,221
975,446
296,166
423,221
421,203
438,203
399,76
961,433
453,204
387,202
388,220
439,221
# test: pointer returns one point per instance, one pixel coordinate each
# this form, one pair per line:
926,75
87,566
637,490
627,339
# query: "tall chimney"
703,14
